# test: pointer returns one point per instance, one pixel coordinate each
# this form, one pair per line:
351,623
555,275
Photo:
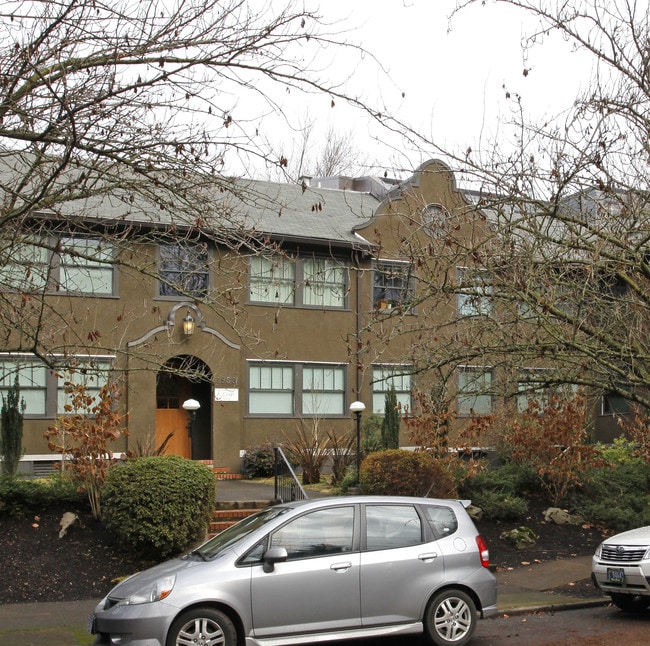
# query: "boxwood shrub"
397,472
158,506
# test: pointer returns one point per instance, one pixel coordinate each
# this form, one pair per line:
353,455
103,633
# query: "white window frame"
272,280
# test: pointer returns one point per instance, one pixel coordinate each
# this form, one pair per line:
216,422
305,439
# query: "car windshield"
212,548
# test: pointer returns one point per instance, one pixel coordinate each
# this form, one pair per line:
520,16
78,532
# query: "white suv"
621,569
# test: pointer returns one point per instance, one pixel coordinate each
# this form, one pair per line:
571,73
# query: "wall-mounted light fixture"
188,324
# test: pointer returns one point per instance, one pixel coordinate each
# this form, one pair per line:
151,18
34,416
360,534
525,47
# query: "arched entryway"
182,378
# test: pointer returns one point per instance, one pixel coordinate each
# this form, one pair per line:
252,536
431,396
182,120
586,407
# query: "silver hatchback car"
313,571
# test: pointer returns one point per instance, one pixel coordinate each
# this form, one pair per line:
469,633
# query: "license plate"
615,575
91,624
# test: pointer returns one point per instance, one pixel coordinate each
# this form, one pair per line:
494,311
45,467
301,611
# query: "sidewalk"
65,624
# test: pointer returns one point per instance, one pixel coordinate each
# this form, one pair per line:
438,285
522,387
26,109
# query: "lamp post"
357,408
191,405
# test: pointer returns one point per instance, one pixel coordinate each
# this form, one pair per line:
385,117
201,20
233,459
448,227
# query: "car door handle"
341,567
428,557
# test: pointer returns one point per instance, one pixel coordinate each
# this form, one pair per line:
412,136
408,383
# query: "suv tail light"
483,552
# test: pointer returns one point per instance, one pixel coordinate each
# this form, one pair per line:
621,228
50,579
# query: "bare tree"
131,116
542,275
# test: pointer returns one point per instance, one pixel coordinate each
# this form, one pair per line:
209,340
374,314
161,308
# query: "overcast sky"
454,75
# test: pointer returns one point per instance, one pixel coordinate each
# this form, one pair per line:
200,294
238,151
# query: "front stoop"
221,473
229,512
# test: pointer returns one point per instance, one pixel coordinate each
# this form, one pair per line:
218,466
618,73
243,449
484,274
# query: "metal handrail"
287,486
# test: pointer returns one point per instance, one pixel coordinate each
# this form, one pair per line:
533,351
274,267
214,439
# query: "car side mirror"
274,555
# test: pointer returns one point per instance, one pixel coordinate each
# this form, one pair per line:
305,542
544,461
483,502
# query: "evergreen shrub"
20,495
258,461
158,506
616,496
397,472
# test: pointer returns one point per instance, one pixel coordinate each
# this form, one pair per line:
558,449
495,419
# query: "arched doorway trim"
170,323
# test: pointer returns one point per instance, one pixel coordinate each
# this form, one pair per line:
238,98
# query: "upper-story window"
307,282
86,266
272,280
73,264
184,271
325,282
393,284
475,295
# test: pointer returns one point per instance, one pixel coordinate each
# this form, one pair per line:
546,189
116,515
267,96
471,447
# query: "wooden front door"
174,420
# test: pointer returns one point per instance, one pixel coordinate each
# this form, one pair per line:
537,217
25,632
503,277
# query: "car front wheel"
202,627
450,618
630,602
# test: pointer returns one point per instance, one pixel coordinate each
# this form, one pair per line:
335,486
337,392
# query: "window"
475,296
324,282
383,377
323,390
184,271
392,526
614,404
442,520
43,389
532,388
32,381
80,265
393,285
93,375
271,389
305,282
85,266
272,280
474,391
25,268
295,389
320,533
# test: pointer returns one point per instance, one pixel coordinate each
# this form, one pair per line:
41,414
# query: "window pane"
323,532
323,390
477,297
474,391
92,375
325,282
85,266
272,281
24,267
392,526
271,389
383,378
392,284
32,377
184,270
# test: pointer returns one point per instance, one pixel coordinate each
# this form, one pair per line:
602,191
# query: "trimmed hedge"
158,506
19,495
397,472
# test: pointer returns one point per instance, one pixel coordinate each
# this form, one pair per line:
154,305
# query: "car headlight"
153,592
599,550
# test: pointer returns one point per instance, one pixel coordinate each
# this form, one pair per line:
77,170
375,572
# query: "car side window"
392,526
442,520
319,533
